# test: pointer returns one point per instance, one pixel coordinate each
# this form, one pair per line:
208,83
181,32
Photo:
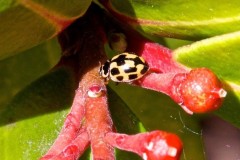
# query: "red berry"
201,91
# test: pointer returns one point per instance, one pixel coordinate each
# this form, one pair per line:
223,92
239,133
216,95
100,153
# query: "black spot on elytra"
106,67
120,60
132,76
130,70
115,71
120,78
144,70
137,61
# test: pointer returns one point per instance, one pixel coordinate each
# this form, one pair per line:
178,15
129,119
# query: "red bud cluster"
89,122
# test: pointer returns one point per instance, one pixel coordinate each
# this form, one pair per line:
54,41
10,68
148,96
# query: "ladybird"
124,67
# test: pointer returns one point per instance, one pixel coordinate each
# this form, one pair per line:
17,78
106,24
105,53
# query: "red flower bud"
201,91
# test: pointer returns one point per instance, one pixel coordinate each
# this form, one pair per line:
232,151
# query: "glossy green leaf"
182,19
26,23
124,119
221,54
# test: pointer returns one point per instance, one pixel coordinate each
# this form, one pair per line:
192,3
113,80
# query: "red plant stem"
160,58
167,83
89,119
97,117
126,142
71,125
78,145
98,123
73,150
155,145
157,81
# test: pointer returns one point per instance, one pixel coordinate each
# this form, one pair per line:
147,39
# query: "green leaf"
26,23
158,112
18,71
32,120
180,18
221,54
124,119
